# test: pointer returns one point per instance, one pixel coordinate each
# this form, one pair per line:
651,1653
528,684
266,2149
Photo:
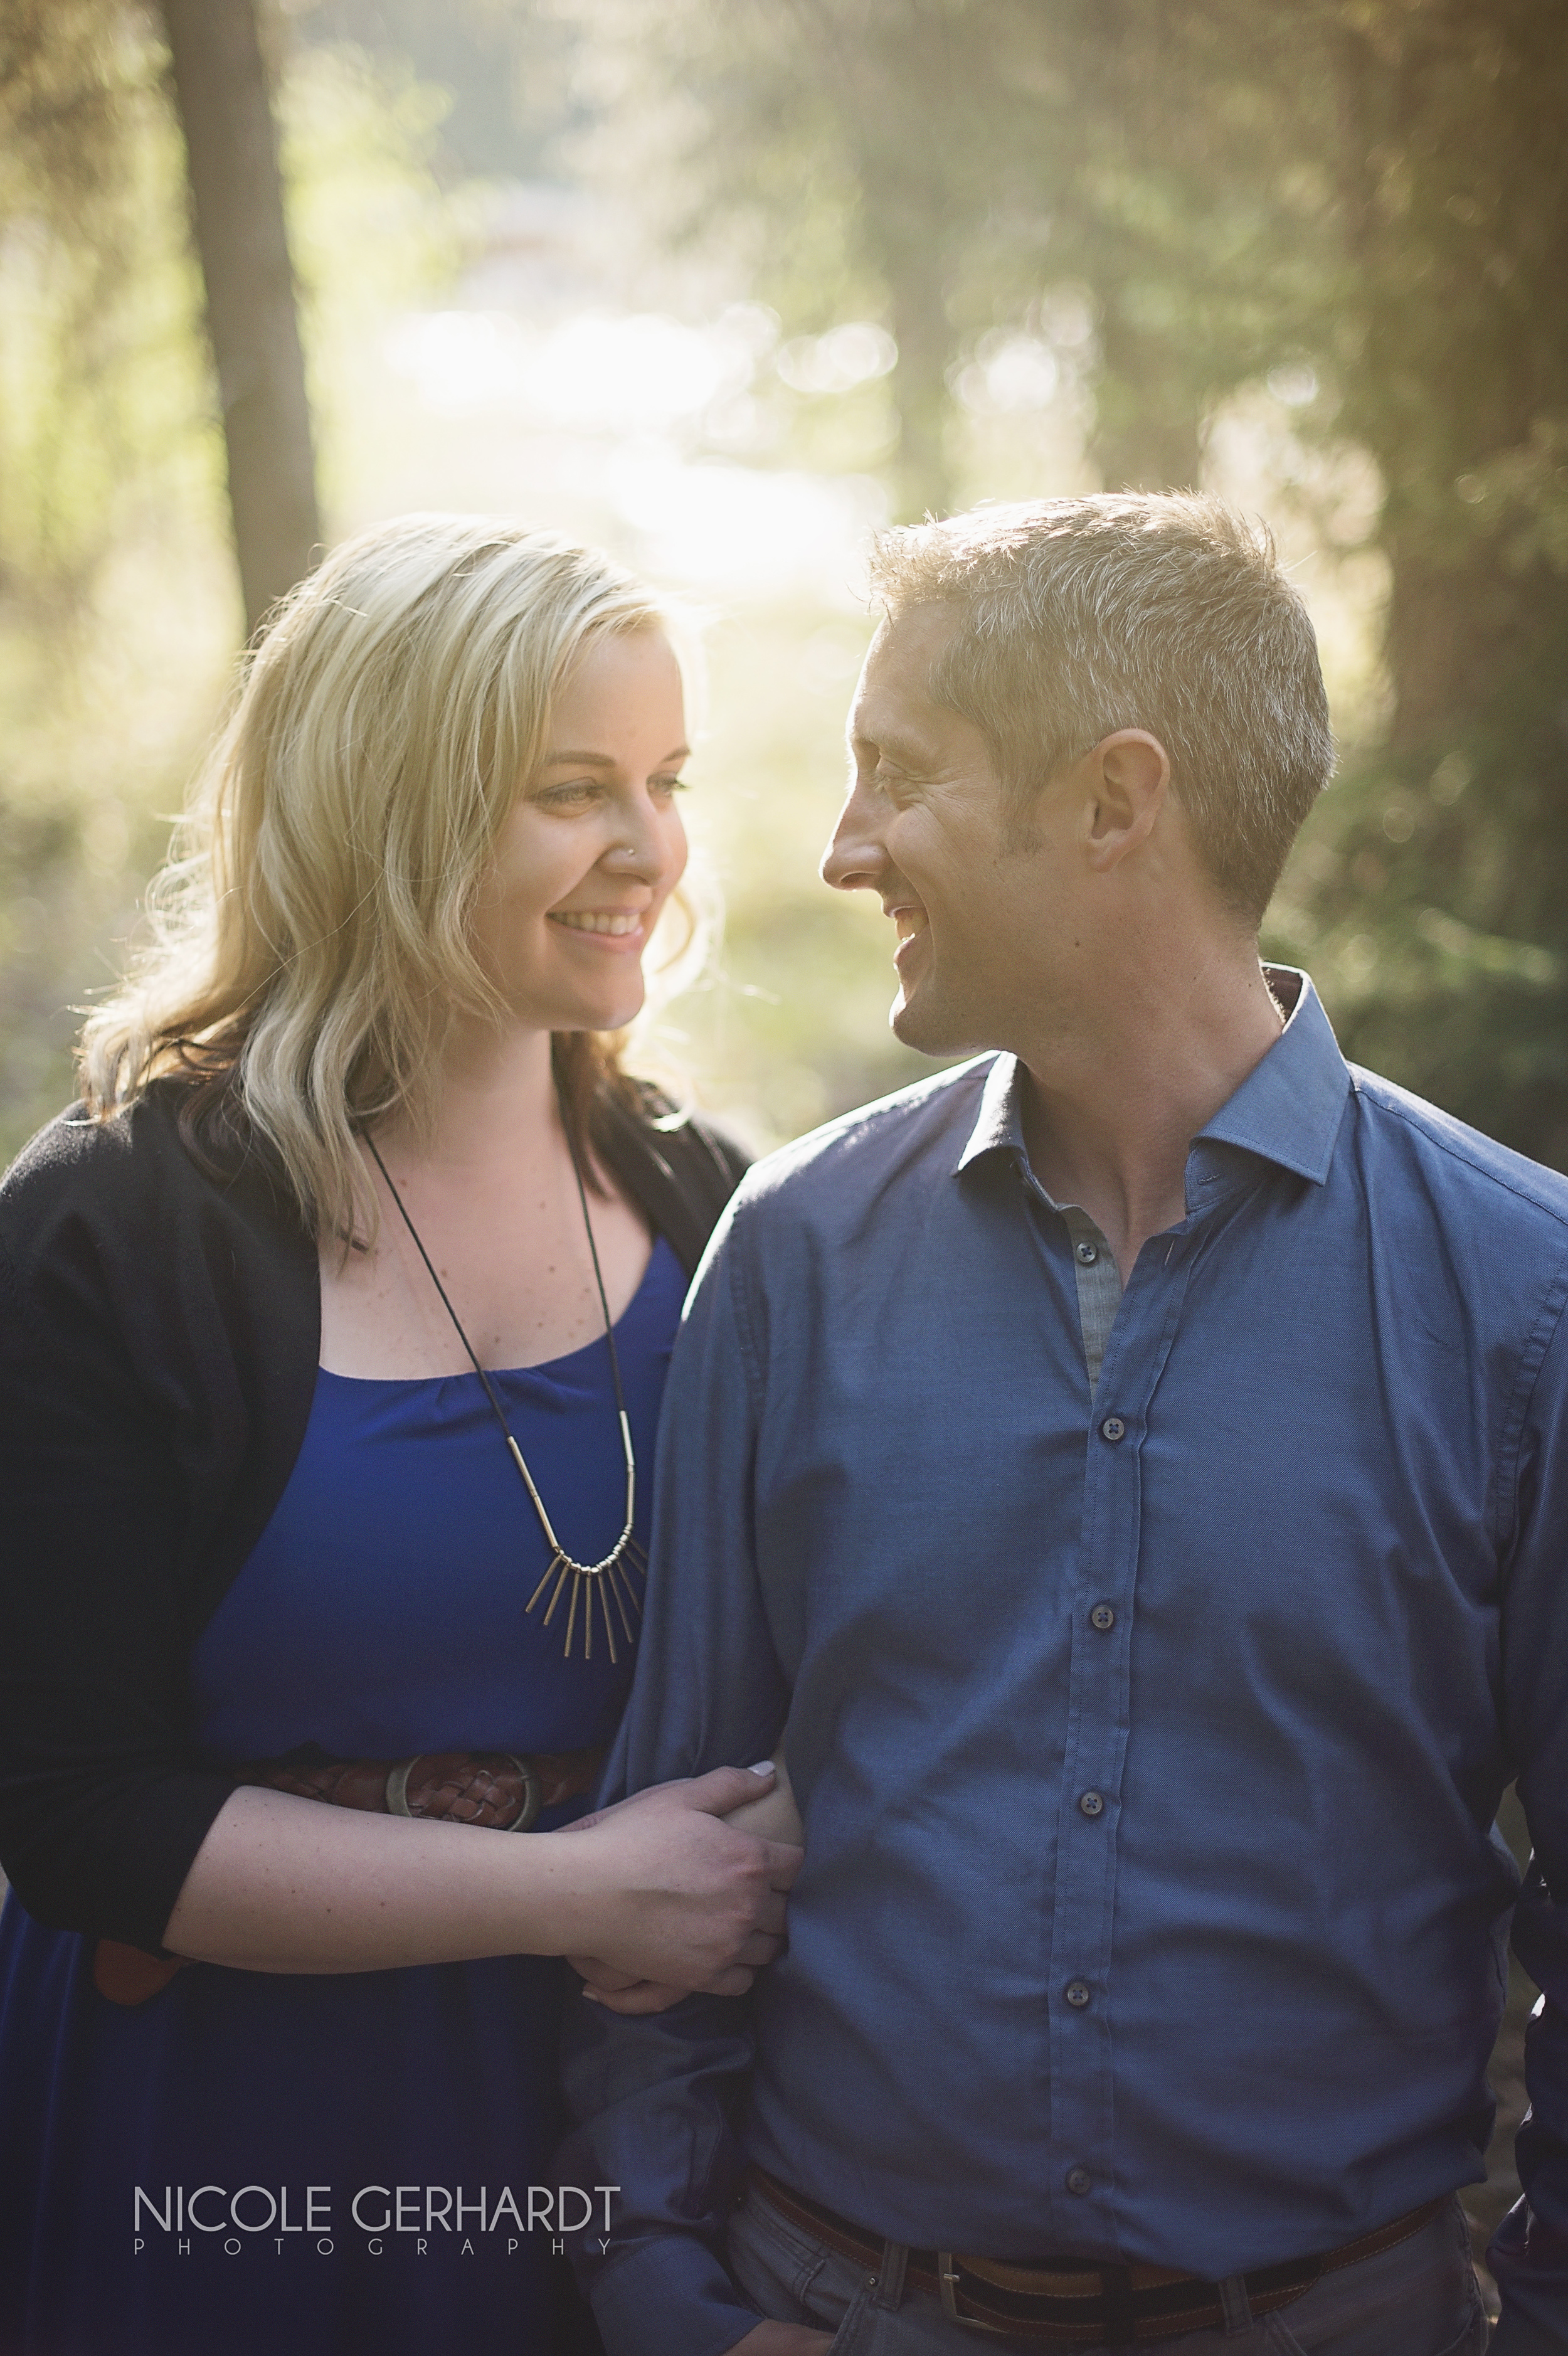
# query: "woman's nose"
641,850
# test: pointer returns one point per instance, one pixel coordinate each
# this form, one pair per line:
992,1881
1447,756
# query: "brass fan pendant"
610,1578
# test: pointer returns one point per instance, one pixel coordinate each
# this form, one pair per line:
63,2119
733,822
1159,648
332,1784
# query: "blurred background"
723,283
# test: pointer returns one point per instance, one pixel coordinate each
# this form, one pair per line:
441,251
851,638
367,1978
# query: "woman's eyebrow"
588,760
605,760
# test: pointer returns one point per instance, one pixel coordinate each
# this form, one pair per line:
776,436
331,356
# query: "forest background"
723,283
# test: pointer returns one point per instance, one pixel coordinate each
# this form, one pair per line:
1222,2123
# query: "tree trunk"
237,207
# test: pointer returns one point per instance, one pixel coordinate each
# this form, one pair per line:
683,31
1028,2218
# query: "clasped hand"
690,1901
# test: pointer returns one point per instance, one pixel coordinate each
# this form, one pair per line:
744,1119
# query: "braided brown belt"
500,1791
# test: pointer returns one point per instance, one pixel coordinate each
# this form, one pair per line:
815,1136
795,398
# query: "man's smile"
910,921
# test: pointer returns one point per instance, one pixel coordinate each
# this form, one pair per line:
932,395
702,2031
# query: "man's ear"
1127,778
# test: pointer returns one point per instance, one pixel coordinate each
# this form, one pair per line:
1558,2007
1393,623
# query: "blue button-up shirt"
1148,1736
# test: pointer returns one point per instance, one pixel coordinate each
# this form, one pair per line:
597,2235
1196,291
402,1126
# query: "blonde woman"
335,1318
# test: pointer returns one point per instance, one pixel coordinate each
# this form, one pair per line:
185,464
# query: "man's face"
983,914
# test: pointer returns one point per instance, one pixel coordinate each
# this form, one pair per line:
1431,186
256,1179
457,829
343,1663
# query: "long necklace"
609,1578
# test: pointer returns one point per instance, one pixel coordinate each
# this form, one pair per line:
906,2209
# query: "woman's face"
593,846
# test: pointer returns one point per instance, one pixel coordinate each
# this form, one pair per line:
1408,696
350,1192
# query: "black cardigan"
159,1337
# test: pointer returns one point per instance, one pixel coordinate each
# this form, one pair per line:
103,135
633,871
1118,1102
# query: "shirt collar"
1289,1106
1288,1109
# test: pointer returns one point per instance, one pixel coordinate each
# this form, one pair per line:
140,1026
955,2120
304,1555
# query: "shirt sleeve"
101,1808
1529,2255
659,2099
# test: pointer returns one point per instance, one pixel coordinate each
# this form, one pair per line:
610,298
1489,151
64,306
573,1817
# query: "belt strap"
1074,2302
495,1789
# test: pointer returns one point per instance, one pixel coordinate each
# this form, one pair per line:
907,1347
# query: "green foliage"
104,447
1445,854
119,607
1363,201
792,1026
1340,225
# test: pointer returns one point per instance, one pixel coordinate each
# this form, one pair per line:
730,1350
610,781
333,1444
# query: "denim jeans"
1420,2298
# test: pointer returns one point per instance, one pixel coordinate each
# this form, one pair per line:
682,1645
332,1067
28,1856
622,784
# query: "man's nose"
856,858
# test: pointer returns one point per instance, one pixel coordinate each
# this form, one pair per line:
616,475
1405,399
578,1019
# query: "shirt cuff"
1529,2267
670,2297
1517,2334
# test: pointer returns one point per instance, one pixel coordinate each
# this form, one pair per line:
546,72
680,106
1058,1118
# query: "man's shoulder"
918,1132
1462,1160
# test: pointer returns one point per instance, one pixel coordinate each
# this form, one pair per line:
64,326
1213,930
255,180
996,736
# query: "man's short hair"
1168,612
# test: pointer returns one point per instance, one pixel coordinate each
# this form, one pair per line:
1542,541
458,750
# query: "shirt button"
1077,1994
1102,1617
1092,1803
1087,1254
1113,1430
1080,2180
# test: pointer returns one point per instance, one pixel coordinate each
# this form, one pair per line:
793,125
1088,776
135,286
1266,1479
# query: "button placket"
1080,2011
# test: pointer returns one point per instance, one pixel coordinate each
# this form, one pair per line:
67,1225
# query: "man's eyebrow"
890,739
607,760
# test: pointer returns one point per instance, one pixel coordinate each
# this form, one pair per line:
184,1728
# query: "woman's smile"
618,930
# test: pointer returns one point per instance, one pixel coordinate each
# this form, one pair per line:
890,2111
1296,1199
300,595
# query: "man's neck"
1110,1116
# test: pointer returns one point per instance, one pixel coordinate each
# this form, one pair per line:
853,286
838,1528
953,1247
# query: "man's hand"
782,2340
681,1900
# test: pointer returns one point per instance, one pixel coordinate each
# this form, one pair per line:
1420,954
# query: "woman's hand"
772,1817
690,1902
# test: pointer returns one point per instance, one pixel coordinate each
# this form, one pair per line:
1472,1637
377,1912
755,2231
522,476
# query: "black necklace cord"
610,1573
593,1256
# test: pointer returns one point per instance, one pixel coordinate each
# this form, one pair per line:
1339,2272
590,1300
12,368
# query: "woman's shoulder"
78,1161
681,1130
127,1190
679,1166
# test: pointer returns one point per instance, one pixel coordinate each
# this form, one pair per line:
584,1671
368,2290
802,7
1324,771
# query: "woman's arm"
661,1887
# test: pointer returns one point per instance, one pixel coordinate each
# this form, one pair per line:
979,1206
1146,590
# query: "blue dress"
381,1613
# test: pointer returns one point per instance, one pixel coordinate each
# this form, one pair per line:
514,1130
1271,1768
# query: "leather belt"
495,1788
1073,2302
500,1790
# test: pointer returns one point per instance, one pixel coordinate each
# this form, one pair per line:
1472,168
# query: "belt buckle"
533,1793
947,2280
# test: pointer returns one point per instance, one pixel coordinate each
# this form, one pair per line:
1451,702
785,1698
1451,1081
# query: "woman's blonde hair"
311,940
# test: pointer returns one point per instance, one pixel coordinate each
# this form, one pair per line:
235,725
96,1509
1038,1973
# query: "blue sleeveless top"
382,1613
384,1610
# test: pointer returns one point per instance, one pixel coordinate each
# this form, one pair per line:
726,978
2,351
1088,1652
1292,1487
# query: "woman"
336,1319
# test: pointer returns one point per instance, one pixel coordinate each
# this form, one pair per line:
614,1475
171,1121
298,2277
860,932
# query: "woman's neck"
495,1101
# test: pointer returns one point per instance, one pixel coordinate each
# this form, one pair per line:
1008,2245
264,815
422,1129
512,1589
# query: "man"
1131,1473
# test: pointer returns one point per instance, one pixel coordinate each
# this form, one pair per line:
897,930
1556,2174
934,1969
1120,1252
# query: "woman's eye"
572,797
668,785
